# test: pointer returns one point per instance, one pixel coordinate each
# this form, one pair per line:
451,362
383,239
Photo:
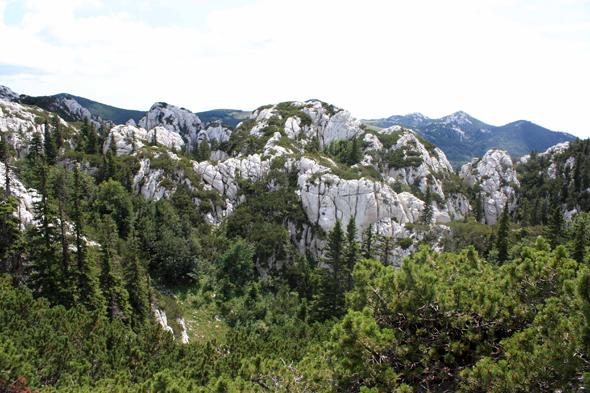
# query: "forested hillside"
298,252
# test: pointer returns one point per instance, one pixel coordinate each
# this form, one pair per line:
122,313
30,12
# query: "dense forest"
501,308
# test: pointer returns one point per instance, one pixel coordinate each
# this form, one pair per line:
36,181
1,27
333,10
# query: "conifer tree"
580,246
116,296
427,212
84,130
354,156
36,148
49,144
214,144
385,247
10,236
91,146
502,241
110,171
204,151
136,282
368,247
554,231
352,253
88,286
331,301
113,146
479,212
44,271
56,133
578,173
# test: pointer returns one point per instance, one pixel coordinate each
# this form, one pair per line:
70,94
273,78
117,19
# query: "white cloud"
374,58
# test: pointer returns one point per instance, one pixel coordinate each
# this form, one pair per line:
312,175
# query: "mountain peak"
458,117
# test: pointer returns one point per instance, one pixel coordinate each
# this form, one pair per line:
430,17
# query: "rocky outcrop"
185,123
174,119
163,321
8,95
496,176
70,109
129,138
435,163
19,123
214,131
328,123
27,198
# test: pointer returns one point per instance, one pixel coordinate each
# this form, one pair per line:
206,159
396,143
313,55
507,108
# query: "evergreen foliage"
502,310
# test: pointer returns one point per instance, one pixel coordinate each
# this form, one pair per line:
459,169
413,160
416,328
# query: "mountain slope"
463,137
107,112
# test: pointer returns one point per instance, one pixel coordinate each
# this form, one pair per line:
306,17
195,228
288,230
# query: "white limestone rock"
27,198
174,119
162,320
214,130
373,141
495,173
183,334
17,123
130,138
326,125
6,94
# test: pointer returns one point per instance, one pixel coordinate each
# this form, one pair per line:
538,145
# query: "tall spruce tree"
332,300
580,243
502,235
427,211
88,286
56,133
354,156
91,146
115,294
49,144
384,248
352,252
367,248
136,282
555,227
44,270
204,151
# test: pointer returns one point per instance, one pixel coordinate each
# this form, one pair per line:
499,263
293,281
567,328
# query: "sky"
498,60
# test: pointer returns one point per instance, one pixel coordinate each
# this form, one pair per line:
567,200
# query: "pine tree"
554,230
368,247
136,282
354,156
502,240
10,236
113,146
44,272
427,212
116,296
49,144
88,286
204,151
580,246
56,133
385,246
110,171
332,300
352,253
36,148
479,212
578,173
91,146
84,130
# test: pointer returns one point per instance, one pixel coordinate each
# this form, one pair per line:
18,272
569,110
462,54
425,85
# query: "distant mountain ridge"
107,112
463,137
